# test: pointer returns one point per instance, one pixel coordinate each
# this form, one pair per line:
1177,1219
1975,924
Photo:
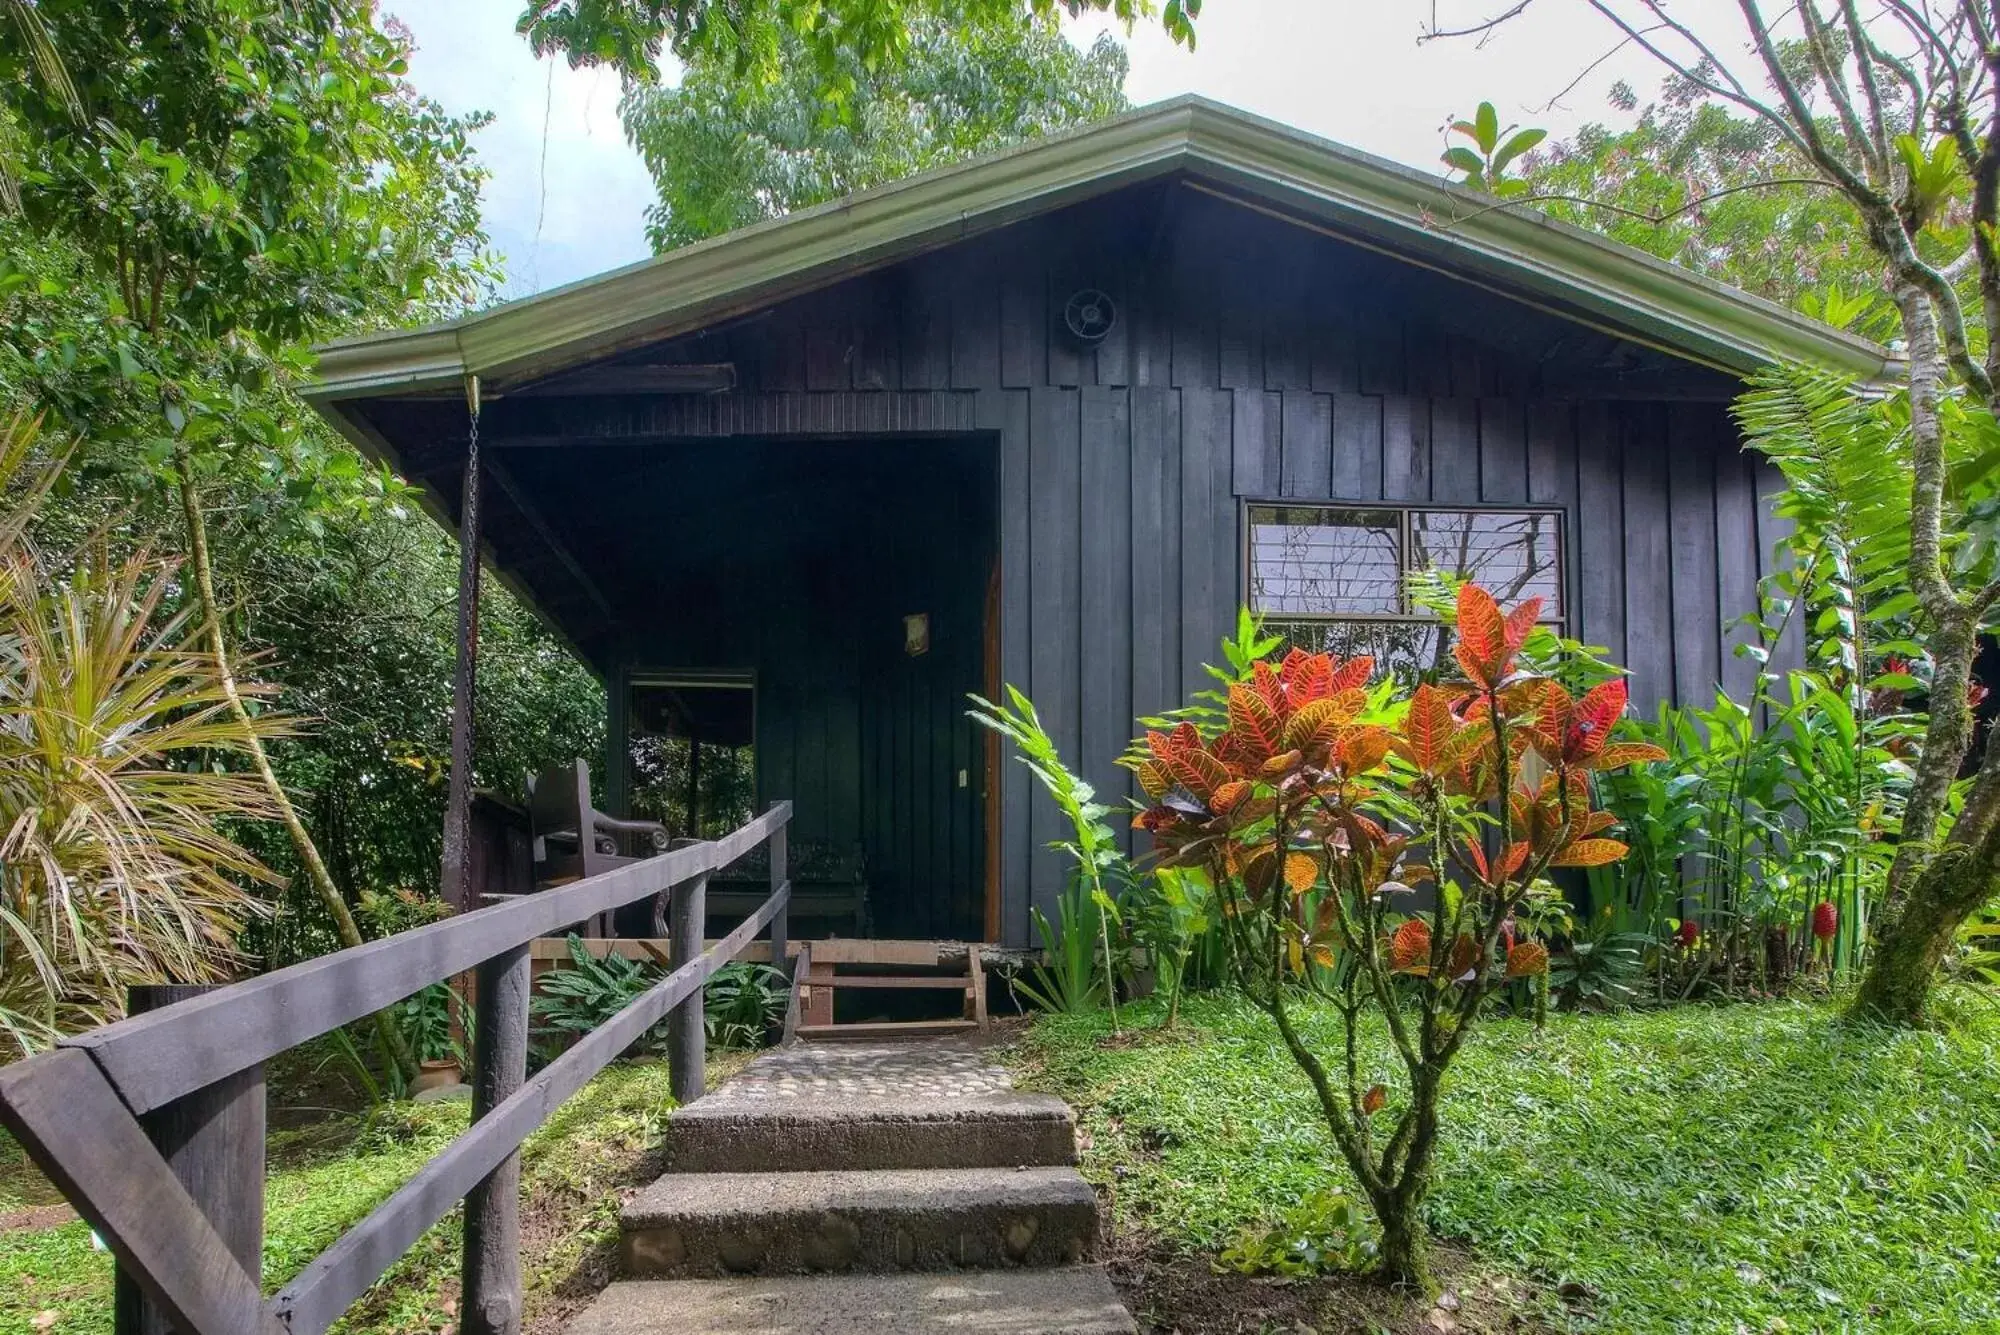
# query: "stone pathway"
843,1189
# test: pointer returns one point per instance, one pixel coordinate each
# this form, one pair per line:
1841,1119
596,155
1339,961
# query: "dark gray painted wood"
155,1058
1406,449
490,1283
1691,505
1208,592
1300,366
1649,606
1503,452
1455,450
1600,530
67,1116
1254,437
213,1141
1357,447
1306,444
1055,619
1156,552
322,1292
1738,562
1107,602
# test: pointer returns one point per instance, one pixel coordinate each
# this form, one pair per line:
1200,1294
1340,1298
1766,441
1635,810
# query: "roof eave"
1394,206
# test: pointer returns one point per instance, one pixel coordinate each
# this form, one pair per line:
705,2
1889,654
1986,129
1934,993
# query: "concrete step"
704,1225
1000,1129
1071,1300
874,1031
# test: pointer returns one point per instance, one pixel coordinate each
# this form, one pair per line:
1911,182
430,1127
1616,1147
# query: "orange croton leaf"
1482,635
1254,724
1512,860
1590,853
1278,766
1363,750
1627,753
1153,780
1527,959
1476,855
1429,731
1301,871
1410,946
1372,1102
1198,771
1226,798
1464,955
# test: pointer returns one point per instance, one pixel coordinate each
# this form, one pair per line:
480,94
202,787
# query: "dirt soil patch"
1173,1292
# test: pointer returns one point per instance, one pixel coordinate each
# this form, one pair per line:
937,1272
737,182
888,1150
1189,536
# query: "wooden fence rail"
79,1109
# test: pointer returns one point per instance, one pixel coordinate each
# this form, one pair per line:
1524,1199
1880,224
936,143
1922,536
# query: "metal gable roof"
1355,196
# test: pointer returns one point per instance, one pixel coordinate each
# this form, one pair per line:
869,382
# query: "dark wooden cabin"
1050,417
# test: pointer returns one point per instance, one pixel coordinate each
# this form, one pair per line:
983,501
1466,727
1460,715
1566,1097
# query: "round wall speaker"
1089,316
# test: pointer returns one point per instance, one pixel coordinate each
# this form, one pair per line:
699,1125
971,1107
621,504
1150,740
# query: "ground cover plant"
1697,1169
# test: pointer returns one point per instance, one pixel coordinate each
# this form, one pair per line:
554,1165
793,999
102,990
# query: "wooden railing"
129,1120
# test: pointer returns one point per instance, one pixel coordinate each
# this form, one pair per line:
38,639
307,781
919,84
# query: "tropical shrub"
1319,821
115,747
741,1002
744,1003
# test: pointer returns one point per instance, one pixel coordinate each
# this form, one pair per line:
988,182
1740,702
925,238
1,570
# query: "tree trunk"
1920,930
1405,1259
316,873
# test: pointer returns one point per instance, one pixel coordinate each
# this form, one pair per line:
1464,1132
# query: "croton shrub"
1381,850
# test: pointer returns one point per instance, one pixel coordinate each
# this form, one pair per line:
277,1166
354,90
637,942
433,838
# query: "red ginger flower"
1687,933
1825,920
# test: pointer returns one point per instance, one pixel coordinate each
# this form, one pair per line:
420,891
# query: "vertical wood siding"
1293,368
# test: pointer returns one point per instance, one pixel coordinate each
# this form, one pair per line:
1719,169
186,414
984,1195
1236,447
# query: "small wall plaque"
917,634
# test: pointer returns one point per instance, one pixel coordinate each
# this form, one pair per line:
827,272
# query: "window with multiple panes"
1334,577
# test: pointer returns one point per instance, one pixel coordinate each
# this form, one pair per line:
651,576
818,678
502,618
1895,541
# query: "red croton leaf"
1590,721
1373,1101
1256,726
1305,677
1482,636
1464,956
1352,674
1510,862
1590,853
1521,622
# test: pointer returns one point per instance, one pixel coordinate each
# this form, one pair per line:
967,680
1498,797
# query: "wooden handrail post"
490,1292
687,1032
781,925
213,1140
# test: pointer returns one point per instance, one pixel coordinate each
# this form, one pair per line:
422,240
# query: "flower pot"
435,1074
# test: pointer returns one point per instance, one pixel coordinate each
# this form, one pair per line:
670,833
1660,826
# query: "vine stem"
344,926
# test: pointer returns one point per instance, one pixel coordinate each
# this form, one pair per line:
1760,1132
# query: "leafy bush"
115,746
1317,816
745,1002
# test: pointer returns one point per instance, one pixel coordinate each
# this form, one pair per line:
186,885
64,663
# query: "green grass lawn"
325,1178
1750,1168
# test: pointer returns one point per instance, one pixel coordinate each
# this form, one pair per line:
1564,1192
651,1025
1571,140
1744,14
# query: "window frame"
1404,511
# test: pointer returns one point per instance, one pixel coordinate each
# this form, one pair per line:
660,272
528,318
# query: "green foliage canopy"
725,152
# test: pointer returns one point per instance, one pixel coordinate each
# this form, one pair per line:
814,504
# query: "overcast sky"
568,196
